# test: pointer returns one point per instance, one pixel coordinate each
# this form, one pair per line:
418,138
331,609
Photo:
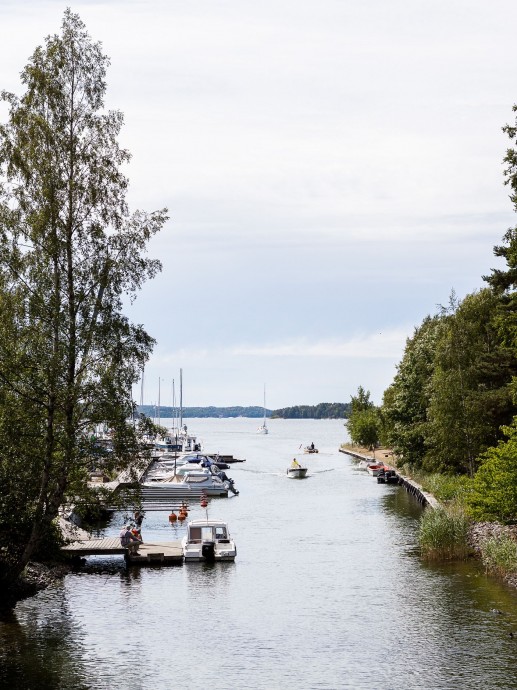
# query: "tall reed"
499,555
443,534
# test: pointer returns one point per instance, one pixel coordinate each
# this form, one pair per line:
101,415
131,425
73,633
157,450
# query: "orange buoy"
173,517
204,503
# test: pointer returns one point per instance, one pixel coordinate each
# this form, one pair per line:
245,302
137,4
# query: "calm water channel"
327,592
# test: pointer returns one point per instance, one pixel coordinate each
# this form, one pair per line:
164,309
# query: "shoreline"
478,533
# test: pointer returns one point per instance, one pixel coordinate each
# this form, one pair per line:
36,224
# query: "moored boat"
375,469
191,483
208,540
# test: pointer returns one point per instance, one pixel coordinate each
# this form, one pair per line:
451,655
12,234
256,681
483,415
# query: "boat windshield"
208,533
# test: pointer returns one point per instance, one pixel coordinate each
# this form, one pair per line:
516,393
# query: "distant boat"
296,472
263,428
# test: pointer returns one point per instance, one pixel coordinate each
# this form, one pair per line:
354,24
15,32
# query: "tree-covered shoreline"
450,414
320,411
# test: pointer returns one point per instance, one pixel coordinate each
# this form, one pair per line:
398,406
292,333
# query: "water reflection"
39,647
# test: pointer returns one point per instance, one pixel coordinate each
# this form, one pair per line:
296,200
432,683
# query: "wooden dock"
168,553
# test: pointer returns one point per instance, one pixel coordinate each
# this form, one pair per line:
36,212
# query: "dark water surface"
327,591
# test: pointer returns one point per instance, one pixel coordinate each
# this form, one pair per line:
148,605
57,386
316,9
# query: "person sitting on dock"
295,464
129,540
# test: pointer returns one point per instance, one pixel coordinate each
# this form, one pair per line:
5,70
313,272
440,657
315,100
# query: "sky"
332,169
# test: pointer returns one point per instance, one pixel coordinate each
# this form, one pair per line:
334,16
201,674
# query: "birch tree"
70,253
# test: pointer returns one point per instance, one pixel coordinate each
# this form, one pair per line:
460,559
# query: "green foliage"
70,254
446,488
202,412
469,393
320,411
443,534
452,392
405,402
364,424
494,488
499,555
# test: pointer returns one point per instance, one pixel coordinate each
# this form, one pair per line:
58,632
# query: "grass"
448,489
443,533
499,555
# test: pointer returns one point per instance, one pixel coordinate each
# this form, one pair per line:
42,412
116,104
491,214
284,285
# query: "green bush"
499,555
443,533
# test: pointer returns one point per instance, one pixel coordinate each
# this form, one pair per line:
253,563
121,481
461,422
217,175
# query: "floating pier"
167,553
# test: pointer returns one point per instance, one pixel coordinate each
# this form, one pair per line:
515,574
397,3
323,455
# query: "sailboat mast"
181,398
158,400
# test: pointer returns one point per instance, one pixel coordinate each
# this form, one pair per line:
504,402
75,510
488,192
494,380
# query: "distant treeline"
321,411
188,412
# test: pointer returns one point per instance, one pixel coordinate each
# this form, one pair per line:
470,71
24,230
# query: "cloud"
384,345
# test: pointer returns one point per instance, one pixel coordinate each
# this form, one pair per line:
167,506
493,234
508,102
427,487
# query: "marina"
310,554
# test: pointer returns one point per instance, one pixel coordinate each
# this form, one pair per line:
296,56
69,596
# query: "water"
327,592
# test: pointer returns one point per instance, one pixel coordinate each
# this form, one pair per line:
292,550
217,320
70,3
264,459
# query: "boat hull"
374,470
297,472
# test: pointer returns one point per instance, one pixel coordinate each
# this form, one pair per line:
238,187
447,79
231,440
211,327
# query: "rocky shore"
481,531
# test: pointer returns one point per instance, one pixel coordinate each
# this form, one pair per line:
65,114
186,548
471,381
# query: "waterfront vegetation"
70,254
443,533
499,555
449,415
320,411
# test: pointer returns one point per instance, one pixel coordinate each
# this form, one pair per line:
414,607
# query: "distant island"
320,411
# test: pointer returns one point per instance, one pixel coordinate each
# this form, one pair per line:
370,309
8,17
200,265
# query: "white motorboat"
208,540
310,449
297,472
194,483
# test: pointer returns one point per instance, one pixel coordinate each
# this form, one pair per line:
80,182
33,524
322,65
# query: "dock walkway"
148,552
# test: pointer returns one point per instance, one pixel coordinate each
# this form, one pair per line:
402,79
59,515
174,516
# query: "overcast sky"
332,169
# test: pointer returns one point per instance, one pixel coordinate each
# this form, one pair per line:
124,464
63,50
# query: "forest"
320,411
451,408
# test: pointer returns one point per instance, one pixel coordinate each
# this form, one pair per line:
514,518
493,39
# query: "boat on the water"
297,472
263,427
208,540
310,449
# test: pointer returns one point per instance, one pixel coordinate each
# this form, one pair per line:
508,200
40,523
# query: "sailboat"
263,428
